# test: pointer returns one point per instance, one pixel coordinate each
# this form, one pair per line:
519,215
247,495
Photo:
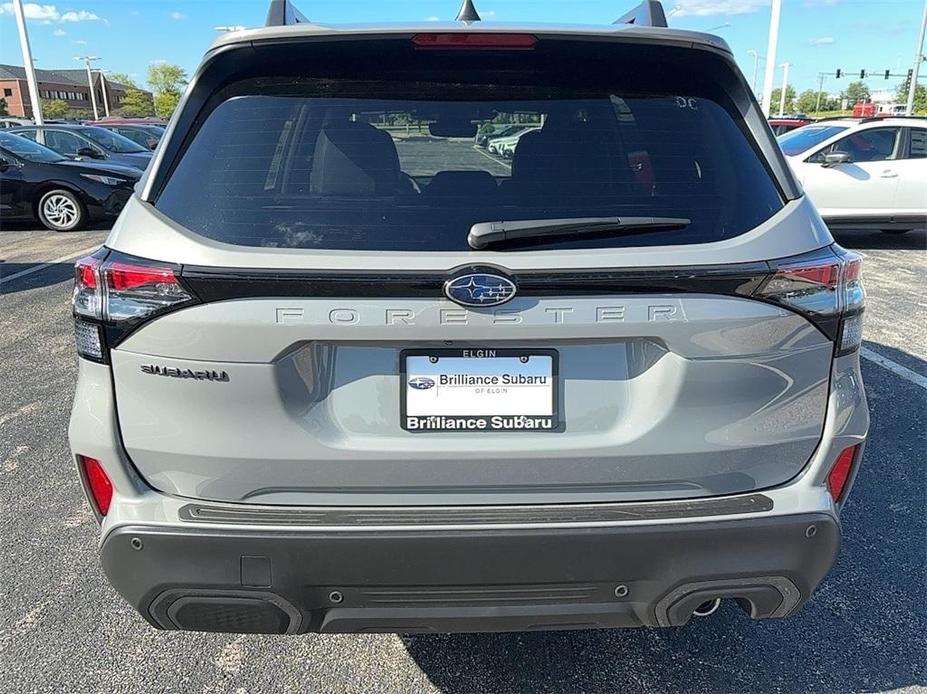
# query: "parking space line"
492,158
894,367
39,268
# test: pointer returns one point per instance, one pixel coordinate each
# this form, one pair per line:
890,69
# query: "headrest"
354,159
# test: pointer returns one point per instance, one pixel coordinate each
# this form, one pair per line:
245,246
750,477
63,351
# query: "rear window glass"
326,169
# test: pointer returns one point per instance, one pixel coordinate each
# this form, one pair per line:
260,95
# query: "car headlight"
105,180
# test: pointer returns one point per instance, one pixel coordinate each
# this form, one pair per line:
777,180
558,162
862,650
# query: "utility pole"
785,86
918,59
821,76
756,65
93,94
769,75
27,62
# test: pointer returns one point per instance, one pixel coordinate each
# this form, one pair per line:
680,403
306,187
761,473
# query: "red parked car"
784,125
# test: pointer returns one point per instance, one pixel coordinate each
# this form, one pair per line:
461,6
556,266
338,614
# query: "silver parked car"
335,378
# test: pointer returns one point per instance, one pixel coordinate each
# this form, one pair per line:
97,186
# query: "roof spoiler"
648,14
283,13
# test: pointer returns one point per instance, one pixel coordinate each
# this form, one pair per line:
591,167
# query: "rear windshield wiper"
484,234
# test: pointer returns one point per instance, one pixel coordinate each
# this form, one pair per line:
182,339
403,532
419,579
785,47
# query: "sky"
816,35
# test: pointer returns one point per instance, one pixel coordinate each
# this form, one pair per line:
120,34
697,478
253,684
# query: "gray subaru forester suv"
343,371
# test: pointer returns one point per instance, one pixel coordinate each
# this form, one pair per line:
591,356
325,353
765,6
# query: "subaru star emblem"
480,289
421,383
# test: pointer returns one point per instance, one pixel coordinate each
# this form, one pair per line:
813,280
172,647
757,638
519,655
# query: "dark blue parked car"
88,142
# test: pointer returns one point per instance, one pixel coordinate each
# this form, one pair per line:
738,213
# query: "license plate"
479,390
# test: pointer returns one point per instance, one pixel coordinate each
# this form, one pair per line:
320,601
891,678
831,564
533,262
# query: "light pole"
785,86
769,75
918,59
27,63
93,95
103,88
756,66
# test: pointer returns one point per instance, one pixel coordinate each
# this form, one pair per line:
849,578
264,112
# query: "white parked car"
863,173
505,146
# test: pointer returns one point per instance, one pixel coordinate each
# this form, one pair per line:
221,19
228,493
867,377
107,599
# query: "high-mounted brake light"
98,483
114,292
475,40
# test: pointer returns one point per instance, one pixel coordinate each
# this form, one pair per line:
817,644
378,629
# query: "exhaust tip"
707,608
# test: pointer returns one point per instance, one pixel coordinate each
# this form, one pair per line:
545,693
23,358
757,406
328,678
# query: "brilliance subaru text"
342,370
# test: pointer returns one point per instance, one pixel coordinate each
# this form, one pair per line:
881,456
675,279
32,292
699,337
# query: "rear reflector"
88,339
840,472
455,40
101,489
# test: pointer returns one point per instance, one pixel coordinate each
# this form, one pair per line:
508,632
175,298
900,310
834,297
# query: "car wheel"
60,210
895,232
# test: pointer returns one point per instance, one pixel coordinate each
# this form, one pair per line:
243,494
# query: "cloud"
33,11
49,14
79,16
59,32
432,18
177,15
80,42
488,13
709,8
159,61
822,41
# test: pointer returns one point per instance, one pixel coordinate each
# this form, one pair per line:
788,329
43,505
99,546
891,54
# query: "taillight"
135,289
840,472
98,483
115,293
825,286
475,40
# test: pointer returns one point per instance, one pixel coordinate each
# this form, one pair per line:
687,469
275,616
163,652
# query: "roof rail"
283,13
648,14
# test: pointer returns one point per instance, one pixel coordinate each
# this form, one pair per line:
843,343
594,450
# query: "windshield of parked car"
114,142
391,164
803,139
28,150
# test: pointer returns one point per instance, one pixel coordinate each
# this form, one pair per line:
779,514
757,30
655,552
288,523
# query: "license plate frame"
481,354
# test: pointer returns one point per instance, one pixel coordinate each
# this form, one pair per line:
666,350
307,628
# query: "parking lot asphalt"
63,629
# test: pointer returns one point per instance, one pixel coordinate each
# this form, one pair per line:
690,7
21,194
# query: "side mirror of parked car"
89,152
835,158
4,165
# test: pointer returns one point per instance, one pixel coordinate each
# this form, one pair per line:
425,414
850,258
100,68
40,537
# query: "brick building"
69,86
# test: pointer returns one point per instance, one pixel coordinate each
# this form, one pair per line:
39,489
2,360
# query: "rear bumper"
412,580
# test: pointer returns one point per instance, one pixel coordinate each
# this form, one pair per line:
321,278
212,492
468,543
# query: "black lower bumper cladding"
414,580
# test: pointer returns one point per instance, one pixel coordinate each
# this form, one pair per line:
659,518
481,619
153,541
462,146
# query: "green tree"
121,78
55,108
857,92
167,81
920,98
807,101
80,114
789,99
4,111
166,78
136,104
165,103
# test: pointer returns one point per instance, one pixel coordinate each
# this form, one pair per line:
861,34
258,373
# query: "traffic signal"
887,74
839,73
862,74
